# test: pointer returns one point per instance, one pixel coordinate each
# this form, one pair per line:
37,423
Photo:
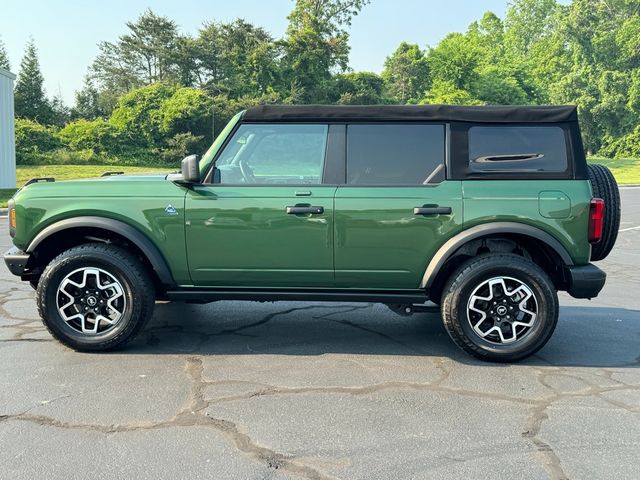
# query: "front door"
269,220
396,208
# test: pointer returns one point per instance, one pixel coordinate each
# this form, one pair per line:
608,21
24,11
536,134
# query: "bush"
99,136
33,141
623,147
179,146
187,111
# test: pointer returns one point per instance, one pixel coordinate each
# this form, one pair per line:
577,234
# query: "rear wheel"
499,307
604,186
95,297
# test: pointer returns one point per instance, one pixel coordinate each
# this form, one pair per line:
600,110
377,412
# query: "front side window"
395,154
274,154
500,149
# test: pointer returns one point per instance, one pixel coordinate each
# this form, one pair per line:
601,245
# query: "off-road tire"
457,294
604,186
122,265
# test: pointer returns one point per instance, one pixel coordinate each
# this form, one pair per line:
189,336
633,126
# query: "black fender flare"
450,246
156,259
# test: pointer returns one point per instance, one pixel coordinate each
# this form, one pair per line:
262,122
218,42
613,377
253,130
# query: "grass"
626,170
68,172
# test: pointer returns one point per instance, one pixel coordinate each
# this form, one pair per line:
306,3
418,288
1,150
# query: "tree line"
156,94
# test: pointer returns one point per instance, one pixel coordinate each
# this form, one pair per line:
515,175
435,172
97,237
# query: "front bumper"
16,260
585,281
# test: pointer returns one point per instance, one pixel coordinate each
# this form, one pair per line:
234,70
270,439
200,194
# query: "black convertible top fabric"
446,113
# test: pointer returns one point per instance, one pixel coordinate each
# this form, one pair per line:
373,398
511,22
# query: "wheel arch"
534,239
104,229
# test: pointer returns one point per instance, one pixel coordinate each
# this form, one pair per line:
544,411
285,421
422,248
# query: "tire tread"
135,268
450,314
604,186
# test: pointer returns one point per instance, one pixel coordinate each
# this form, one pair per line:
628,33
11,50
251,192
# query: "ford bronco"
485,211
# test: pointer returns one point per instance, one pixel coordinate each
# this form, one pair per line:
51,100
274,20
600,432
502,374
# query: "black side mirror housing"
190,169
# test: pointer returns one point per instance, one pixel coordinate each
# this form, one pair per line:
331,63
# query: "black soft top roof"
376,113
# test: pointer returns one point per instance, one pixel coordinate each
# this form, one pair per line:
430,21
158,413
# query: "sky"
66,32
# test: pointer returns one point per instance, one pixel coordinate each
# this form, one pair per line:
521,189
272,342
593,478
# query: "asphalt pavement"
240,390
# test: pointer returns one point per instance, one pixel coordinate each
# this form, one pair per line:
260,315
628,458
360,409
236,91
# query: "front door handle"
300,209
436,210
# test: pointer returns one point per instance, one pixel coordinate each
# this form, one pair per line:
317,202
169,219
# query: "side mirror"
190,169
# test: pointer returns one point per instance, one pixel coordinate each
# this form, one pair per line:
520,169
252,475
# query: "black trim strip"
335,157
261,295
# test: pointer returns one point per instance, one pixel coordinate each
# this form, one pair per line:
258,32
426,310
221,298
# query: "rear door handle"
432,210
297,209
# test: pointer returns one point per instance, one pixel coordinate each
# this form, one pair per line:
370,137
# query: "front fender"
151,252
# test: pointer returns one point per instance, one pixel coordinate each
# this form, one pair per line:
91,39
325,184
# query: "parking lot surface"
239,390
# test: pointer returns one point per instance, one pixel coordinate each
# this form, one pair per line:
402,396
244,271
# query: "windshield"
217,143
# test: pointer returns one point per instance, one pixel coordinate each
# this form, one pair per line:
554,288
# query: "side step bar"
212,295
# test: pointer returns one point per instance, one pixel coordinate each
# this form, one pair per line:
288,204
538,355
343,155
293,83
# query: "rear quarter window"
526,149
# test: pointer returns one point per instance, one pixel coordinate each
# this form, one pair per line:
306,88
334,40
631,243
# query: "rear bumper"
585,281
16,260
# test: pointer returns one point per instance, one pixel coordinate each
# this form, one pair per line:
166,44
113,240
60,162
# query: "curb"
3,212
629,185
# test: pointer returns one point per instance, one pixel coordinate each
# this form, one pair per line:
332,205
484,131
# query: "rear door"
396,208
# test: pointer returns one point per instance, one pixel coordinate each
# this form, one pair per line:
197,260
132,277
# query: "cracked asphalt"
239,390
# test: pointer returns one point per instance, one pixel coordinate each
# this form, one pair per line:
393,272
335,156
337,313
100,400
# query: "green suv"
485,212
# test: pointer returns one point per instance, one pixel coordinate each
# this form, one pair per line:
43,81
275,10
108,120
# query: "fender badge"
170,210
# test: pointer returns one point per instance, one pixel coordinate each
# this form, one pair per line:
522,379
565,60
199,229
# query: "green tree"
527,21
316,44
88,103
358,88
454,60
29,95
4,57
406,73
60,113
494,86
146,54
445,92
236,59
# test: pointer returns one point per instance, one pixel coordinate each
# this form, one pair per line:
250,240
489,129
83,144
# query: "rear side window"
505,149
395,154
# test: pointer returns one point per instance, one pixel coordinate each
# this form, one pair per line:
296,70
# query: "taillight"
12,218
596,220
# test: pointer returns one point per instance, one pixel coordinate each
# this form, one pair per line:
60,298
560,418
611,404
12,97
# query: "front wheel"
95,297
500,308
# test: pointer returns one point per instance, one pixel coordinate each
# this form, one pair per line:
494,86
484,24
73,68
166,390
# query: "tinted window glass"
394,154
274,154
517,149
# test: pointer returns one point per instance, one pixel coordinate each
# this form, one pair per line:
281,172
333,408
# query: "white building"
7,131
